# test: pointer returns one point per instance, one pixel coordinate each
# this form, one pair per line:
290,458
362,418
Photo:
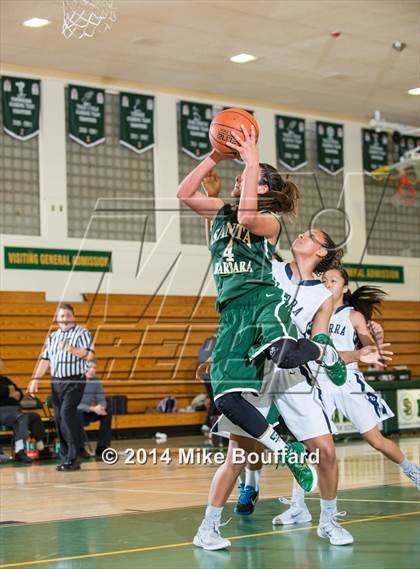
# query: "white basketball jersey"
302,298
342,333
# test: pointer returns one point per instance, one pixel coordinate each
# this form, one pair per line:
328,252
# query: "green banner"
375,273
195,121
329,144
290,139
21,101
57,259
86,109
375,150
137,121
408,143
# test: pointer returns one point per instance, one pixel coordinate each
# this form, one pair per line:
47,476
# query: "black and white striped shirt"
63,364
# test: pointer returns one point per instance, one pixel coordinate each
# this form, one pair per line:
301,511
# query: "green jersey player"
253,322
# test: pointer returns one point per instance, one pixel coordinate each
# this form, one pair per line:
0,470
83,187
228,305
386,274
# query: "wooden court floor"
145,516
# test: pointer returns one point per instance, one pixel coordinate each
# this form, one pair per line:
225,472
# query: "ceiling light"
36,22
415,91
399,45
242,58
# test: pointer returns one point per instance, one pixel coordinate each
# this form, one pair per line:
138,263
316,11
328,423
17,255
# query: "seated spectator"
92,408
23,424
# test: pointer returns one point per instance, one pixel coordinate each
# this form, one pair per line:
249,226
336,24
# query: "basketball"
227,121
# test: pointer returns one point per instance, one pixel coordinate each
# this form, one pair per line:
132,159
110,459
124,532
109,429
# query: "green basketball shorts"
247,326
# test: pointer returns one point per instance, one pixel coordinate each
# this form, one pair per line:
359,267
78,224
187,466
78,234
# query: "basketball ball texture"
227,121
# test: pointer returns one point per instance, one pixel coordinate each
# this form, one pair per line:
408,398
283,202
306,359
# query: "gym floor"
146,516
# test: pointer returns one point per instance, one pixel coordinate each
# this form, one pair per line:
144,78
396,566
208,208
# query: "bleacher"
401,322
147,346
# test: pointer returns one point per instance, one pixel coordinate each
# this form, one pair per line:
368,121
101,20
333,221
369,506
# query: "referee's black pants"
67,393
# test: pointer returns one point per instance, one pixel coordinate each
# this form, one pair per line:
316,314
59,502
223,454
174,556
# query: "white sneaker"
414,475
296,514
332,530
210,539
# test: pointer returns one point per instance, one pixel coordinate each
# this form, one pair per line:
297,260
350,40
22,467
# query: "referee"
66,352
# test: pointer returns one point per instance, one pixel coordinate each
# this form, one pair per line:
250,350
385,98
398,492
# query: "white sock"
212,517
328,508
19,445
40,445
272,440
252,478
242,476
298,495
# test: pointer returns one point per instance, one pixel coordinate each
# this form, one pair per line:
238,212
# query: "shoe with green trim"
304,473
337,372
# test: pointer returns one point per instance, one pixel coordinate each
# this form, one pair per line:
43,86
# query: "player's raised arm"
212,185
261,224
189,188
322,317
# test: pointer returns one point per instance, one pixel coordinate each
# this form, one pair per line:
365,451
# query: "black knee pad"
240,412
229,404
288,353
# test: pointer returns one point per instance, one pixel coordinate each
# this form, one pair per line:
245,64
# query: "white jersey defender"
302,298
355,399
297,400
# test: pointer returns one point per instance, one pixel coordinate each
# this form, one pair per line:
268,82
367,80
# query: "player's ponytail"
283,194
365,299
333,257
277,257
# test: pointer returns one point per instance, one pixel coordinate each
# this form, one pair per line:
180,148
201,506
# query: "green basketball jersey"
240,259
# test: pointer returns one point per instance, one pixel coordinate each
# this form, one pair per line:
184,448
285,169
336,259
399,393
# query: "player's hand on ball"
376,355
246,148
212,184
218,156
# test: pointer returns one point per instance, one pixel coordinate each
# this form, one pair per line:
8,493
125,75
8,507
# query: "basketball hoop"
407,193
409,166
82,18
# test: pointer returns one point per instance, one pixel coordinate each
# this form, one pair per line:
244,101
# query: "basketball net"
82,18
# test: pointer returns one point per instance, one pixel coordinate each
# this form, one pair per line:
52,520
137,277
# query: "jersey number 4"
228,252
